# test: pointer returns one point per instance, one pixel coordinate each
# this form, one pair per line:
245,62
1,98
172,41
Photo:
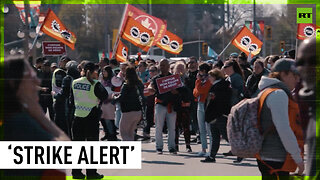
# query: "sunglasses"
192,62
152,70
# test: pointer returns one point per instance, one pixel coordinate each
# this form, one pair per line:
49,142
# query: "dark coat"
190,80
129,98
247,71
221,103
185,96
252,84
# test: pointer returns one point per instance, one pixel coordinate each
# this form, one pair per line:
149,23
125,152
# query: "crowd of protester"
80,95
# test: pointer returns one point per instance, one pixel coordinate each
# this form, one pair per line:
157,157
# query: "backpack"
245,134
243,127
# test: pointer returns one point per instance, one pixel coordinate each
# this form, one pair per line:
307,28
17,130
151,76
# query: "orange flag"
156,25
247,42
305,31
171,43
122,52
137,34
53,27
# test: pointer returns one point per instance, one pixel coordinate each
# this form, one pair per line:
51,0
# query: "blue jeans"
203,126
117,114
162,114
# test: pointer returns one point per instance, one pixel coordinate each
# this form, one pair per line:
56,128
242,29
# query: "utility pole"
254,17
228,13
225,11
150,12
106,36
26,30
108,45
199,43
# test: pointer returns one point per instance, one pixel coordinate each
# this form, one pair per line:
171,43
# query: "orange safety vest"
295,124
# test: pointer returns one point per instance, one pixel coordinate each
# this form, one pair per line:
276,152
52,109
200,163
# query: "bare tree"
239,14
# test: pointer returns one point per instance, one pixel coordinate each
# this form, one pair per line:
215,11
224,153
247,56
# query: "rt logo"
304,15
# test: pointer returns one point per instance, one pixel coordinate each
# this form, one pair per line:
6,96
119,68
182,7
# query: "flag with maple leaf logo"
156,25
137,34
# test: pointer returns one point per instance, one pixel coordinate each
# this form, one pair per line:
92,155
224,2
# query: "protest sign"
168,83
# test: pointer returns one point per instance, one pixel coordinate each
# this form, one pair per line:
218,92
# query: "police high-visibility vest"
84,97
55,88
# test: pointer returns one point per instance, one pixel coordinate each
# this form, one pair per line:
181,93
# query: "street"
184,163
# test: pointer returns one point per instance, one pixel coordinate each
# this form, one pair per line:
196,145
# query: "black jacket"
185,96
129,98
247,71
190,81
221,103
252,83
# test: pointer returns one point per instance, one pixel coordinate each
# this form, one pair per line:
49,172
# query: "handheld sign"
53,48
168,83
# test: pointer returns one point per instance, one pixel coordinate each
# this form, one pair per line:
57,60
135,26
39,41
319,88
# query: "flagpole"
224,49
229,43
34,41
148,53
119,31
26,30
249,57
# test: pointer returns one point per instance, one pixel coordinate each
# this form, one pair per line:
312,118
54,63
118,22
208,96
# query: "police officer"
72,74
58,100
58,75
87,92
